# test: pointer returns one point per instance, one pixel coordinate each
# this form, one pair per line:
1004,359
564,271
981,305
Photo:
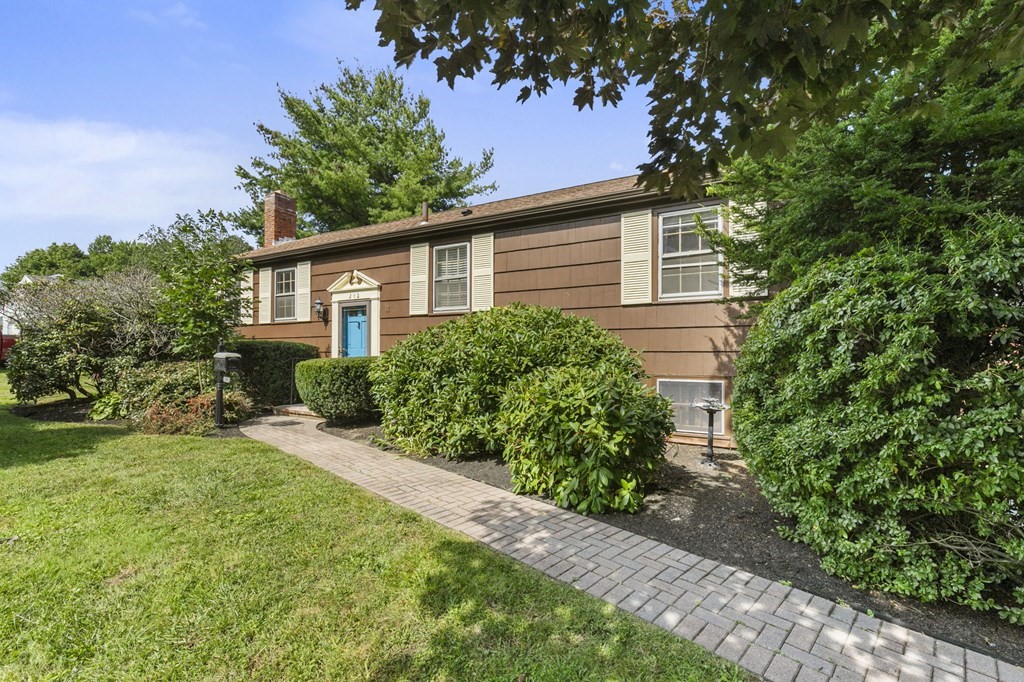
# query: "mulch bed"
62,411
77,412
719,514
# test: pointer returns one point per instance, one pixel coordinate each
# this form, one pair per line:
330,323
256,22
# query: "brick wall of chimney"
278,218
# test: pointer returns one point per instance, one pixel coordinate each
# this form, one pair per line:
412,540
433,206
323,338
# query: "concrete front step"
296,410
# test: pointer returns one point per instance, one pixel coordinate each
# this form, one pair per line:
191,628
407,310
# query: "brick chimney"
278,218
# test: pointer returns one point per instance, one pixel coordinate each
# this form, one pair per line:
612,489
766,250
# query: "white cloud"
178,14
75,172
331,30
615,166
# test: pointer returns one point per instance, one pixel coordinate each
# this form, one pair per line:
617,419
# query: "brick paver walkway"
776,631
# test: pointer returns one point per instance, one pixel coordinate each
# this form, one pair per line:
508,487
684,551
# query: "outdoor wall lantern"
712,406
321,311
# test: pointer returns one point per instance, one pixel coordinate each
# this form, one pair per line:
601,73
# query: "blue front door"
353,331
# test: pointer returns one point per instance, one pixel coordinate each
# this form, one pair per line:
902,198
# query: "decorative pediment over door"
353,282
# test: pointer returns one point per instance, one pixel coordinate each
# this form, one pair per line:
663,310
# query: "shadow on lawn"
489,607
27,441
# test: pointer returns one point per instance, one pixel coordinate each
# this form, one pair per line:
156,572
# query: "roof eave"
626,198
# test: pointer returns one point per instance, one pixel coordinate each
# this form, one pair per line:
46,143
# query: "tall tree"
107,255
881,176
363,151
724,78
56,259
202,292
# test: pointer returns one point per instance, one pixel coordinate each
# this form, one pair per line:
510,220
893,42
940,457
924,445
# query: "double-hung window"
451,277
284,294
688,265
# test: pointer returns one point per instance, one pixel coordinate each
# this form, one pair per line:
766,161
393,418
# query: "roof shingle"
456,216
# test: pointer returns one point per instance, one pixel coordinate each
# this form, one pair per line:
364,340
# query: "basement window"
682,392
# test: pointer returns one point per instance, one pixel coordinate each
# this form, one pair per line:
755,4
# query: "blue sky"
117,115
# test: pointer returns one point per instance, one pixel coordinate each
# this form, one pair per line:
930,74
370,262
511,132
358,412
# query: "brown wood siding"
387,265
575,266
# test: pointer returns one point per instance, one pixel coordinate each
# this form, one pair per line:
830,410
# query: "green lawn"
151,557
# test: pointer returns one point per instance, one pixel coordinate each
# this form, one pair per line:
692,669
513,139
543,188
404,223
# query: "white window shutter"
739,232
482,288
419,267
245,311
636,257
266,302
302,291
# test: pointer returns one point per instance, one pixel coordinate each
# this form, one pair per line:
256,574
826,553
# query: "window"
284,294
688,265
681,393
451,277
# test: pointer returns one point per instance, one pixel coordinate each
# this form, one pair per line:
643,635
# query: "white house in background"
39,279
7,326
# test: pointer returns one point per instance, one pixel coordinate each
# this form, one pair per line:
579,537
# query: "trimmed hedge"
589,437
337,389
879,403
268,369
439,389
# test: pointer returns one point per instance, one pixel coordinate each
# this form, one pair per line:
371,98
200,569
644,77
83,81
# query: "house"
628,258
9,332
8,328
39,279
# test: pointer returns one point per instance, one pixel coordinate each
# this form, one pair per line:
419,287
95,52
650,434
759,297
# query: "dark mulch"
226,432
62,411
719,514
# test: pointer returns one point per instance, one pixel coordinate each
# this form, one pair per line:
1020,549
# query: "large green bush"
268,369
76,334
54,357
589,437
337,389
38,367
880,403
438,390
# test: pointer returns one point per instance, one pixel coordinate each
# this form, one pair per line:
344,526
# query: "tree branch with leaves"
724,78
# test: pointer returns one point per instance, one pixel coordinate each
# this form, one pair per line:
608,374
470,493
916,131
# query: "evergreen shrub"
337,389
162,384
879,402
589,437
439,390
268,369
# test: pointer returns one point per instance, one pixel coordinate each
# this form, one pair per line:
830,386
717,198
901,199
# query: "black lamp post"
712,406
223,364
